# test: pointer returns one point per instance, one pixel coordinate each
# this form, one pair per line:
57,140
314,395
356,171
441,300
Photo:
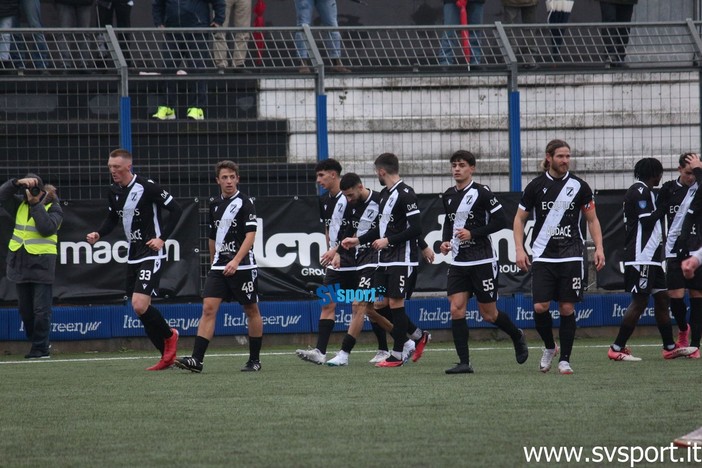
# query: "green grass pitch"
105,410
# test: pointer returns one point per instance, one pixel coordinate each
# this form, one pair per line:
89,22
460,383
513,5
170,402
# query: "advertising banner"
87,272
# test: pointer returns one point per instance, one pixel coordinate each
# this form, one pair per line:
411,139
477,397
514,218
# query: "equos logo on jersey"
334,293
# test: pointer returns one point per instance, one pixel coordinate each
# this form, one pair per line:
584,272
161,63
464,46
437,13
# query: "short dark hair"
349,180
647,168
121,153
389,162
682,161
226,164
463,155
328,165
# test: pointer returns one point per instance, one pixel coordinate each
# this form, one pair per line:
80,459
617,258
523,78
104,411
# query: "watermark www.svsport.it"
631,455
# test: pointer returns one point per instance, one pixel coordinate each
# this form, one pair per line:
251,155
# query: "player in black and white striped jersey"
472,214
556,201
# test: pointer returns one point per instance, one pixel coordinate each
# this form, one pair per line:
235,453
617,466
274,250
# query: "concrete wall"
610,121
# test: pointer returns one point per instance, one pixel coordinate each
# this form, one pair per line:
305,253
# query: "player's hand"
155,244
463,234
231,267
350,242
599,260
328,257
336,262
380,244
693,160
445,247
523,261
92,237
689,266
428,254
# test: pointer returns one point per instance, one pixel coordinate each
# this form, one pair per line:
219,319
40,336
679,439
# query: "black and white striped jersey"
556,207
678,198
643,246
139,205
470,208
366,218
230,219
331,211
397,204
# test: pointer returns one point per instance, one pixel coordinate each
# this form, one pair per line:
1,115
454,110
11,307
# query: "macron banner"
86,272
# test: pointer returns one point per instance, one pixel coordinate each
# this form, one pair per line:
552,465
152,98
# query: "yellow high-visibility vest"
27,235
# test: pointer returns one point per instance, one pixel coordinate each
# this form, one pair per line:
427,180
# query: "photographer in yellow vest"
32,252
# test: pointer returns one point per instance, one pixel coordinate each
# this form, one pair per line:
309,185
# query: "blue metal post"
515,146
125,123
322,130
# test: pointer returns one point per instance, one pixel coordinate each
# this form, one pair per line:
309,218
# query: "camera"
34,191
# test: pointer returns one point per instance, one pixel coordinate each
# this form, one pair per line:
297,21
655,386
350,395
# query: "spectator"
9,10
526,9
31,259
74,14
242,19
189,48
327,13
616,39
121,12
450,41
31,12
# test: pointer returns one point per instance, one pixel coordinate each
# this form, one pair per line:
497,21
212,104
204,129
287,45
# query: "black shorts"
477,280
396,282
560,282
242,286
644,279
674,278
144,277
346,279
365,278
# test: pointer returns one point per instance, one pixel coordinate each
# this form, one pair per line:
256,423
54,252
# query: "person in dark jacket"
31,259
74,14
616,39
187,49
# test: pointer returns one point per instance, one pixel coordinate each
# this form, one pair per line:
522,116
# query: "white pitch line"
290,353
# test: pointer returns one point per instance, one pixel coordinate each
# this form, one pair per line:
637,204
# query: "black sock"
411,327
625,332
326,327
695,321
348,343
544,325
200,348
399,328
156,327
381,336
666,331
504,323
385,312
567,336
255,343
679,311
459,329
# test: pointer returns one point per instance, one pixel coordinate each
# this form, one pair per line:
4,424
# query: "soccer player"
556,201
332,207
233,275
395,237
472,214
643,272
363,209
137,203
677,196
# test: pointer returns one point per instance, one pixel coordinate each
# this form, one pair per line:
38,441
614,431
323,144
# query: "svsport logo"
334,292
